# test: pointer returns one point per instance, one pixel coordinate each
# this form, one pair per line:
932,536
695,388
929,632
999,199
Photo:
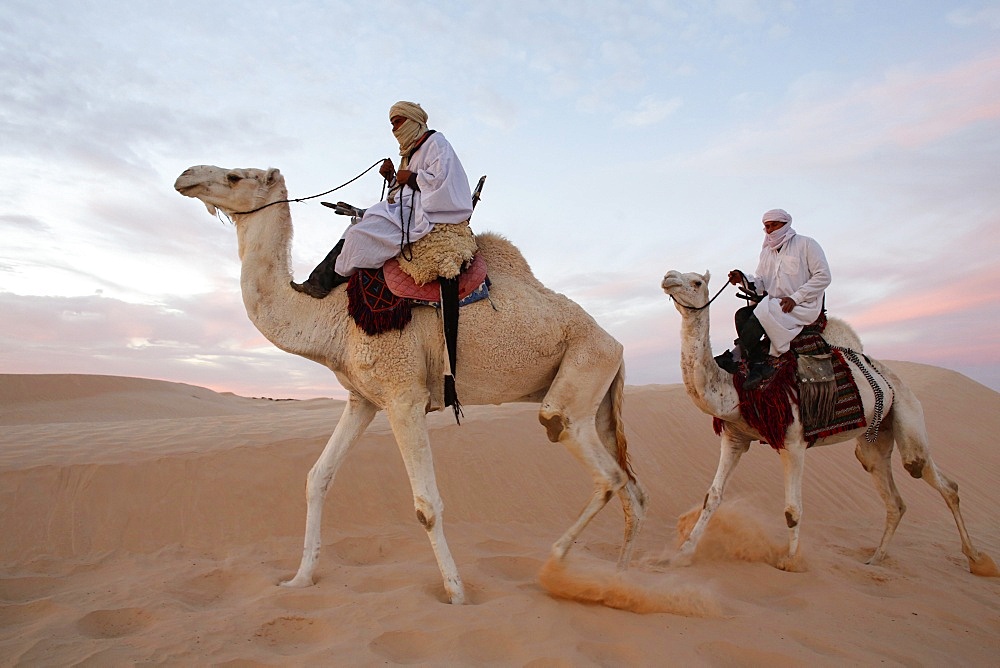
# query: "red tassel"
375,310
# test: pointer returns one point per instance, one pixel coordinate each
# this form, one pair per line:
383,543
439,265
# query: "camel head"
231,191
687,290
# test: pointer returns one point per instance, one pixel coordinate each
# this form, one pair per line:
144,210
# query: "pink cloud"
976,293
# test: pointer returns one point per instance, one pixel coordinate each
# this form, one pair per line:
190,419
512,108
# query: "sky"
621,139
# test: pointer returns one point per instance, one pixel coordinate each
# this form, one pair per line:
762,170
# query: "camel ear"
272,175
708,275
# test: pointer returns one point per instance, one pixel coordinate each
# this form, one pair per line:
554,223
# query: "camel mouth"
670,283
188,185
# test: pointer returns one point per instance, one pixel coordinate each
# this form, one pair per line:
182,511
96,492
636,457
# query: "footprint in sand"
114,623
293,634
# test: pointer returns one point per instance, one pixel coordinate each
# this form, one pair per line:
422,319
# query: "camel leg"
731,450
357,415
409,426
914,448
876,458
793,459
585,445
632,495
633,498
570,415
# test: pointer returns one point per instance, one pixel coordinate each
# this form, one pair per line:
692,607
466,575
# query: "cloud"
988,16
649,111
205,341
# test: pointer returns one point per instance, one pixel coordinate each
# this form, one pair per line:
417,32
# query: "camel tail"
617,393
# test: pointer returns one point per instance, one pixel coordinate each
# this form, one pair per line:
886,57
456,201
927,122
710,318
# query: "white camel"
712,390
526,343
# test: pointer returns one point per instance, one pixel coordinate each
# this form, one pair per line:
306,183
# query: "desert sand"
148,522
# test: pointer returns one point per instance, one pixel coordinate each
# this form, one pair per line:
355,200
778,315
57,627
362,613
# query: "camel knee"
859,453
555,424
792,517
900,510
638,492
427,515
915,467
317,484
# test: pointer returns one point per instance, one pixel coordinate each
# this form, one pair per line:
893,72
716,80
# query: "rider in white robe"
430,188
798,270
443,197
794,273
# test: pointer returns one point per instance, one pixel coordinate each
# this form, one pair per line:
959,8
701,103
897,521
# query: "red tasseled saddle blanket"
768,409
379,300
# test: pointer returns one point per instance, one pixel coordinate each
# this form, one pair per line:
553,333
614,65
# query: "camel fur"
712,390
527,343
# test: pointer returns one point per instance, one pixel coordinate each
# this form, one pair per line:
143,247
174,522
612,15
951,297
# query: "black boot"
727,362
324,277
760,371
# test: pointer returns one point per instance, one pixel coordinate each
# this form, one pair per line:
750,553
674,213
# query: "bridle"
303,199
705,306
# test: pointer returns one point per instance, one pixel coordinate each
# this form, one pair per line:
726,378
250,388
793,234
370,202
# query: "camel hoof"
659,565
876,559
682,560
791,564
297,582
983,566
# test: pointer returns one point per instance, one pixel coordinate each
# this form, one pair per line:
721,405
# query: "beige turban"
413,129
777,216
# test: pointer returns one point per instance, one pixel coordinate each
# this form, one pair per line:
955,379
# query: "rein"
705,306
303,199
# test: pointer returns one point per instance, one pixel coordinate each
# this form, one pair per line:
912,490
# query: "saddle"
816,378
379,300
402,284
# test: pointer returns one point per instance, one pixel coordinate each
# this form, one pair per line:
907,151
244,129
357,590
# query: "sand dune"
148,522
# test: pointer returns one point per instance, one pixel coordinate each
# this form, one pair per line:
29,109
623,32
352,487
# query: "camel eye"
697,284
233,178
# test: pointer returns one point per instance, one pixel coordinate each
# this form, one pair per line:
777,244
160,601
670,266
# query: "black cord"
303,199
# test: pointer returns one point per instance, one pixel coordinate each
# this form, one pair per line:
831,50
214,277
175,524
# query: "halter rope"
303,199
705,306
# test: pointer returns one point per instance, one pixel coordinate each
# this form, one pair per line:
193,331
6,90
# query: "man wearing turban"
793,274
430,188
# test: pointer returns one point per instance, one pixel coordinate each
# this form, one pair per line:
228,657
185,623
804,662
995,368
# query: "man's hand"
787,304
387,170
407,177
736,277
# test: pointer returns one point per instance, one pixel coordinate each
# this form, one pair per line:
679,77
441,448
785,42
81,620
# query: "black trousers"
325,274
751,334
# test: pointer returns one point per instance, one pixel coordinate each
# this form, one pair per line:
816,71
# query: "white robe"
444,197
800,271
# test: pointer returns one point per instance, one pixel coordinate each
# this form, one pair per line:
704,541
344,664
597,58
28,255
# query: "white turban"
776,216
413,128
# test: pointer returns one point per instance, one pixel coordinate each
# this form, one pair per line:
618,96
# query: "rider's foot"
759,372
727,362
310,289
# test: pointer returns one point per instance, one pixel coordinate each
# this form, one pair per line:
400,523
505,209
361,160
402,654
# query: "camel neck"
291,321
706,383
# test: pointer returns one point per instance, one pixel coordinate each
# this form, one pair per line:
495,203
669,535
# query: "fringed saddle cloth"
814,376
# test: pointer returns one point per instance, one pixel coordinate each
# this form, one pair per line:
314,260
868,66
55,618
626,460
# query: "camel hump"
504,257
839,333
